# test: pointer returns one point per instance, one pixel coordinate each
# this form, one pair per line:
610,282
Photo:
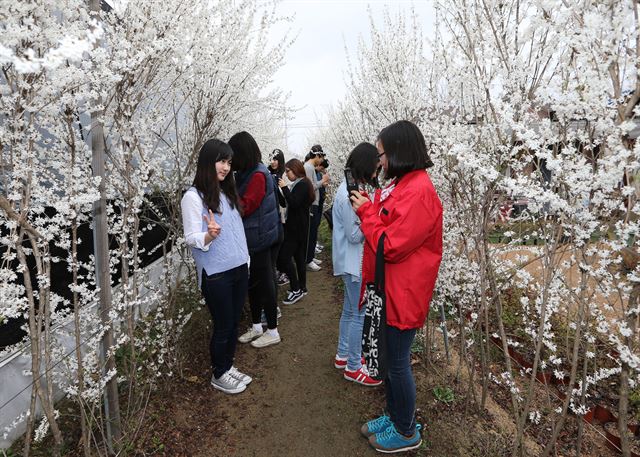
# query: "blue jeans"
400,385
351,323
224,294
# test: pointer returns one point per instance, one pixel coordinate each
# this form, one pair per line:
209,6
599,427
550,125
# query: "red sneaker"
340,363
361,376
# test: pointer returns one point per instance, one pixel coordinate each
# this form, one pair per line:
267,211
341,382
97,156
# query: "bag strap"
379,277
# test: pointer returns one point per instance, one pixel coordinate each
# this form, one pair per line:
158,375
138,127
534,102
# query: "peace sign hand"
213,229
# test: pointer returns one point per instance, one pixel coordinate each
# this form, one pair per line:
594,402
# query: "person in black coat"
299,196
276,168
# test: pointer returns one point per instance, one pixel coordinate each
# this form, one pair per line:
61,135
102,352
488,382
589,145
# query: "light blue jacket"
347,238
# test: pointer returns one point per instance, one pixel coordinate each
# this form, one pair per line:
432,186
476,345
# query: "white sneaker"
311,266
243,378
265,340
249,335
228,384
317,261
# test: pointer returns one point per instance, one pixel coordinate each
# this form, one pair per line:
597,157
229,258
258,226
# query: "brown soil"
298,403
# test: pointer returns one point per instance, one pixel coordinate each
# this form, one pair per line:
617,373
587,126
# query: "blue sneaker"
390,441
375,426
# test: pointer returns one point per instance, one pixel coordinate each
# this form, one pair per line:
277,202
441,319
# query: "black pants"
224,294
275,257
294,250
314,224
262,288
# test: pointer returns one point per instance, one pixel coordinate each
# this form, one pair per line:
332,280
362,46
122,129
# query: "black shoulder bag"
374,332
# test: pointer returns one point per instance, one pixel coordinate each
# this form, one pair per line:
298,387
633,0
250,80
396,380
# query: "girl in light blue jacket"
347,247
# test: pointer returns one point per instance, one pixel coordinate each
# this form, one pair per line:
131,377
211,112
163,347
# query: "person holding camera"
347,244
299,195
313,159
409,212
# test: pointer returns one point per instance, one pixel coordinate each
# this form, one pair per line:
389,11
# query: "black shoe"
292,297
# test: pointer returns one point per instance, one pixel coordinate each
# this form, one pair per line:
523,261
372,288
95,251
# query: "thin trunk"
86,445
623,405
583,400
35,337
45,299
484,308
522,419
574,369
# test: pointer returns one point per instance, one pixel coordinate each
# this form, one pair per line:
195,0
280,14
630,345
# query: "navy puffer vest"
261,227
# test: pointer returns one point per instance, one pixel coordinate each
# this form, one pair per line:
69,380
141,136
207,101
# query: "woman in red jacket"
409,212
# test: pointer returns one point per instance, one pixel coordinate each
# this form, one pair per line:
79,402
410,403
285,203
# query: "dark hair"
324,163
278,155
363,162
246,153
297,168
405,149
316,151
206,179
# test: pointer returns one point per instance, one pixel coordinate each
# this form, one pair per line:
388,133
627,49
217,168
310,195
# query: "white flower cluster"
532,129
158,79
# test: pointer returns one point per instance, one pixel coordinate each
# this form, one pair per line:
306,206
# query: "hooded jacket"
411,217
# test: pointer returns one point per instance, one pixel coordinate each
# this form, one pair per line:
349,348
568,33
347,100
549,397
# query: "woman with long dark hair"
276,168
276,163
213,230
261,222
299,195
347,243
409,213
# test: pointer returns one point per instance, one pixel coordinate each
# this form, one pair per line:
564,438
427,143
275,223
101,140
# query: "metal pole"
103,276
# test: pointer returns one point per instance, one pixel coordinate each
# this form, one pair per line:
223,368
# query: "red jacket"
411,217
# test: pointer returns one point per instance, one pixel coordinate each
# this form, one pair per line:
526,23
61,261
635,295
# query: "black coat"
298,202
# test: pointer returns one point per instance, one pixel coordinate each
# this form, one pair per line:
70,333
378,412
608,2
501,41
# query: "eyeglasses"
381,154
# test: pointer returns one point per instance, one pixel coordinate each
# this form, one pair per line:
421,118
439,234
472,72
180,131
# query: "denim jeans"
400,385
351,323
224,294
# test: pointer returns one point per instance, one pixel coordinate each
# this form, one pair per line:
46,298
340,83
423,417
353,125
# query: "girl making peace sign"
213,230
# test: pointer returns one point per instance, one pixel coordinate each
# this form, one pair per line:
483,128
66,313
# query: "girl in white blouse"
213,230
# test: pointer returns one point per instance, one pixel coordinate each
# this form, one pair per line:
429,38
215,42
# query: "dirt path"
298,403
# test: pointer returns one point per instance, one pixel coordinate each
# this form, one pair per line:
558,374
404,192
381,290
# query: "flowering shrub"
535,101
158,79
